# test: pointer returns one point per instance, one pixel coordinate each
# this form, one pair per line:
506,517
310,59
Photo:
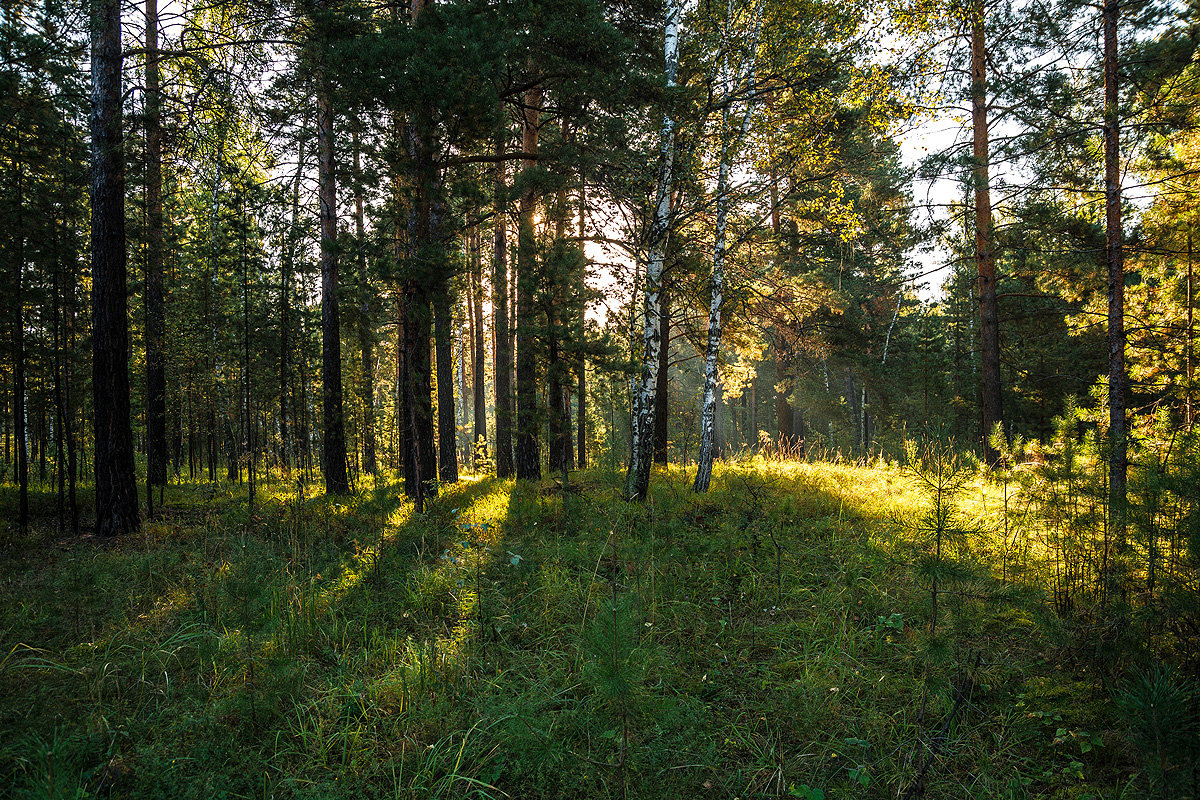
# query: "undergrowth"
769,639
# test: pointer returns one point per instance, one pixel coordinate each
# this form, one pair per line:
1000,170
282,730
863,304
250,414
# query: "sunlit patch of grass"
519,638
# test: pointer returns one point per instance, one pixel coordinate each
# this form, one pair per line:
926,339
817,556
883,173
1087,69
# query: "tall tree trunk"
400,413
427,276
156,374
1118,460
60,413
556,413
287,264
661,413
233,472
210,425
985,258
466,357
116,483
478,377
729,140
40,445
399,448
528,458
709,413
366,340
1189,341
18,346
502,377
645,405
247,410
447,425
69,419
581,451
581,375
425,271
784,432
854,409
554,282
568,431
333,417
411,464
421,473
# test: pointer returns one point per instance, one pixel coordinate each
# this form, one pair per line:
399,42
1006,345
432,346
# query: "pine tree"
156,378
333,462
116,489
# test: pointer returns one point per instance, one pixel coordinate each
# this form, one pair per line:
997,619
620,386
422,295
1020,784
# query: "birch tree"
638,479
730,138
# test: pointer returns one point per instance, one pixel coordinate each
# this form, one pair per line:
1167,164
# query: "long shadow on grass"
225,619
764,635
329,647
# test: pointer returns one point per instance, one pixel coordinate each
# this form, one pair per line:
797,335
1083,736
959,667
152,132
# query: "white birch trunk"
638,479
728,145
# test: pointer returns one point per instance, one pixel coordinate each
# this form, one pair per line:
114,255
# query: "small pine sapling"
938,533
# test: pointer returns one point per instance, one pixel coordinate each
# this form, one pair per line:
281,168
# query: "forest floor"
768,639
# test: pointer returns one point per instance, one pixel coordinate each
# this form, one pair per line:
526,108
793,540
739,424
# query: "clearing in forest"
769,639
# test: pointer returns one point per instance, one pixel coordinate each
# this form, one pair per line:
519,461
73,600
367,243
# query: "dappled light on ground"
770,638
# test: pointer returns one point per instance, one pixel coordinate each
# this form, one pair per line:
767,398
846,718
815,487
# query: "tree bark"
333,416
248,439
500,319
478,376
421,475
708,438
852,406
985,257
366,338
20,435
784,431
447,424
556,278
704,460
559,427
1118,460
287,264
69,419
116,486
645,404
425,273
60,413
156,375
661,407
528,457
581,375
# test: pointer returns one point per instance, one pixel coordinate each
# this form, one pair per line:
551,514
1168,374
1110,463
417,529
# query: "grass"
768,639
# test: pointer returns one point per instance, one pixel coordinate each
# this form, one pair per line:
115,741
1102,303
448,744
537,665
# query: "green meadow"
772,638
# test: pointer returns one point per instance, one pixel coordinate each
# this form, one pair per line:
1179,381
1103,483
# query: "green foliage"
938,534
1159,709
758,641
